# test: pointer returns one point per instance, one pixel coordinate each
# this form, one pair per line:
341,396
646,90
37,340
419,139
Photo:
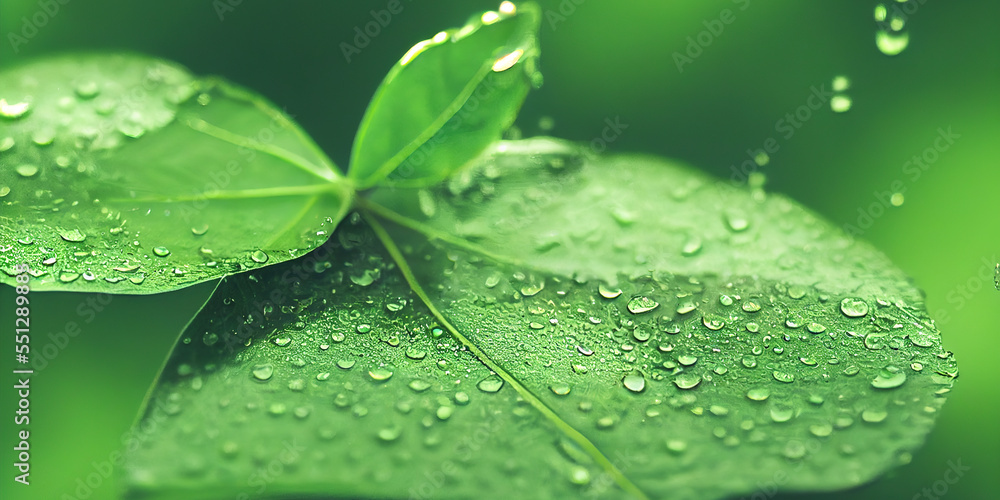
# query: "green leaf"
447,99
125,174
677,330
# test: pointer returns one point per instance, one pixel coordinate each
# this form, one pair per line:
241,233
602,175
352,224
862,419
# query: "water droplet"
750,306
782,413
68,276
634,382
874,416
345,364
737,222
841,83
281,341
605,422
13,110
579,475
713,322
890,43
445,412
87,89
492,383
752,327
366,278
639,305
691,246
608,292
263,372
258,256
889,378
161,251
758,394
815,328
26,170
380,374
840,103
426,202
685,307
794,450
560,388
4,191
414,353
676,446
74,235
781,376
687,380
419,385
687,360
821,430
43,137
853,308
199,230
389,434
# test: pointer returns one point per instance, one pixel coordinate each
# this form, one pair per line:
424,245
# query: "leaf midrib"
571,432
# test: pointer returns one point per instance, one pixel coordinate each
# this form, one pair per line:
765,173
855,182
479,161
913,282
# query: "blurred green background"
601,60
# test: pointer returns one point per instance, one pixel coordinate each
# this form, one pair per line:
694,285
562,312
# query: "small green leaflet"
447,99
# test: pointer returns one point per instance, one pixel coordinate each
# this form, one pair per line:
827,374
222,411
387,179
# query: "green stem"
576,436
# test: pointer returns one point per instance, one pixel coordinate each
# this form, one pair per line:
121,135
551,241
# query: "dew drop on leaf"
853,308
889,378
26,170
634,382
13,110
72,235
380,374
639,305
161,251
263,372
490,384
258,256
687,380
608,292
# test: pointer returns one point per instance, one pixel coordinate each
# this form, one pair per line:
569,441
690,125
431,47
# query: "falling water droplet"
890,43
840,103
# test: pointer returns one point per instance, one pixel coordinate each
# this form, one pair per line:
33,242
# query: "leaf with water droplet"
763,355
447,99
136,166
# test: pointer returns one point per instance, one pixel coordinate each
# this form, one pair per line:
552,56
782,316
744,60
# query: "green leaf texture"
125,174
